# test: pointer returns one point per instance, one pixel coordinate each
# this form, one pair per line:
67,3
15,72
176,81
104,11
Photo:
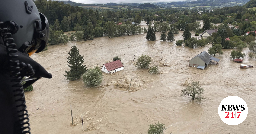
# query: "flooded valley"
109,109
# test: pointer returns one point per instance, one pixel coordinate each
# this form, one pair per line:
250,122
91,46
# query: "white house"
112,67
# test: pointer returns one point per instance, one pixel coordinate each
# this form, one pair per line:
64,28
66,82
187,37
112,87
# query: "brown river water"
111,109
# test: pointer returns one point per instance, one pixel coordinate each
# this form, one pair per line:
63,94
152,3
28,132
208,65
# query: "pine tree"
65,24
207,23
186,34
75,61
163,36
170,36
151,34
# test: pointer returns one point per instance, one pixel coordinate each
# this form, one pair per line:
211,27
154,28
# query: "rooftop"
113,65
205,57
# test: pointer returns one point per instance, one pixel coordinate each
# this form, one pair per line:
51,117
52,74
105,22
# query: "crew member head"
29,27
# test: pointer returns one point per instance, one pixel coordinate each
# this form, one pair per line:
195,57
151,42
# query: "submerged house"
208,33
112,67
202,60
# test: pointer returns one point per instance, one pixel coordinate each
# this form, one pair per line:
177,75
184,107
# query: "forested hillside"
91,23
251,4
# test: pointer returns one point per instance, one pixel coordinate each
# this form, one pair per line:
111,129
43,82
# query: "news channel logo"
233,110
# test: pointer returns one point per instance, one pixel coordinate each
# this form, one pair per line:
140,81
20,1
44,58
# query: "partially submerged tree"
217,48
186,34
151,34
207,23
194,90
92,77
156,129
163,36
237,54
153,70
116,58
75,61
179,42
170,36
143,61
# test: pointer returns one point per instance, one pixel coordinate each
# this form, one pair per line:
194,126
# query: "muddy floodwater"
115,108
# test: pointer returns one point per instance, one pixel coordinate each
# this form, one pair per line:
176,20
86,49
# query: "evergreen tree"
89,32
151,34
170,36
207,23
75,61
163,36
65,24
137,19
56,25
186,34
110,28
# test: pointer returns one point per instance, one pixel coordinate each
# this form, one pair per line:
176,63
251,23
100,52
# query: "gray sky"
120,1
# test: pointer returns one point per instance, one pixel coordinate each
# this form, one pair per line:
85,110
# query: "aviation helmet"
30,28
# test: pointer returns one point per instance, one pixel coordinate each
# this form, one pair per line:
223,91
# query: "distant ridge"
250,4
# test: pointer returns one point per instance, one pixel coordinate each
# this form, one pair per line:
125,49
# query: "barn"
112,67
202,60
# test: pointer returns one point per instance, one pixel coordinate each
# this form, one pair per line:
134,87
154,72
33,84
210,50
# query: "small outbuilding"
112,67
202,60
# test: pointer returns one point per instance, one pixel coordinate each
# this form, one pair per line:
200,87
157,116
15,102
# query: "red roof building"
112,67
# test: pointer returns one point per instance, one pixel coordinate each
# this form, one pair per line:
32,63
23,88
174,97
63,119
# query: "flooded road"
110,109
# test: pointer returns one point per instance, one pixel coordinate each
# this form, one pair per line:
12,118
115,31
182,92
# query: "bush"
92,77
196,34
57,37
193,90
72,37
116,58
143,61
251,55
77,36
237,54
29,88
179,42
156,129
153,70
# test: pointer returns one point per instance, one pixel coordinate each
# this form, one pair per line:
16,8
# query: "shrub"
79,35
72,37
92,77
251,55
63,39
143,61
29,88
153,70
193,90
237,54
57,37
116,58
156,129
196,34
179,42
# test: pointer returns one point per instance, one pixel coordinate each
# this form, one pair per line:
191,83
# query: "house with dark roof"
112,67
208,33
202,60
